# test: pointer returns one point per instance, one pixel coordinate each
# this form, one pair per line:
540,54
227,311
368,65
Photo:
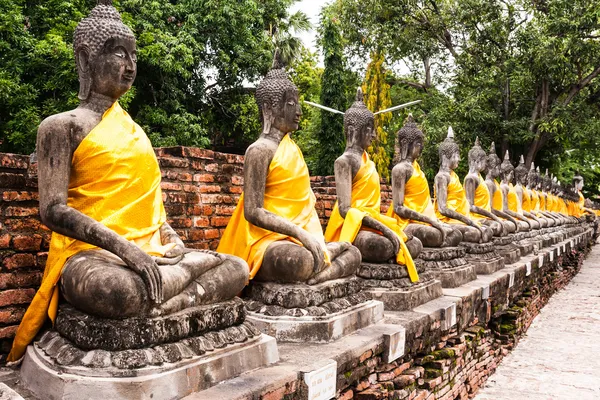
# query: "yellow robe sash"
115,179
535,202
513,201
581,204
287,194
498,197
366,201
416,197
482,195
542,201
456,200
526,200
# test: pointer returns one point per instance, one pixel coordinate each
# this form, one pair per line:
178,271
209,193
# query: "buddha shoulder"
72,125
403,169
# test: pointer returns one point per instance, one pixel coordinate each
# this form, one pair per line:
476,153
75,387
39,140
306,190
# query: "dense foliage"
194,57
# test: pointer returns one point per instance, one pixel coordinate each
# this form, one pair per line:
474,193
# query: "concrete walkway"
559,358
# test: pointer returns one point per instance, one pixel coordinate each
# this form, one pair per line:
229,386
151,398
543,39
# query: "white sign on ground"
541,258
321,382
394,345
511,279
551,256
485,292
528,266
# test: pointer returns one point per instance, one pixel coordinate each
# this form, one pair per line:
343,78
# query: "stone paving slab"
558,357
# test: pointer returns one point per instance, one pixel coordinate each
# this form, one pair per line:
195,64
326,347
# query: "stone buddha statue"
356,214
477,192
510,204
550,202
412,205
524,202
275,226
580,205
534,197
451,205
112,255
496,194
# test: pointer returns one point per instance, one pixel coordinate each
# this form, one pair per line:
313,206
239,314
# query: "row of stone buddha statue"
113,256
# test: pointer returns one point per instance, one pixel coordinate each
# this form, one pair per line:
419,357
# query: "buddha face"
366,135
579,185
454,160
481,163
287,115
115,68
416,148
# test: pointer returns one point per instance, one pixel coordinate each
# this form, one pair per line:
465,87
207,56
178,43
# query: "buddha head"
539,181
521,174
547,182
359,123
409,142
531,176
493,162
449,151
477,157
578,182
507,169
105,53
277,99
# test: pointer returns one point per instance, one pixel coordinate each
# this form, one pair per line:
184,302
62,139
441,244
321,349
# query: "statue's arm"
55,151
471,184
400,175
441,190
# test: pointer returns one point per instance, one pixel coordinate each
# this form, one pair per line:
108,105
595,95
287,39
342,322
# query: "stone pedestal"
484,257
389,283
311,313
166,357
505,246
448,265
523,243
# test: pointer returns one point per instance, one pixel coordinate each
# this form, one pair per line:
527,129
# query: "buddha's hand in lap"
143,265
440,227
176,251
311,244
392,237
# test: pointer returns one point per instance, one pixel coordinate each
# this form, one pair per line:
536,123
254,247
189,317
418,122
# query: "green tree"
333,93
193,59
377,97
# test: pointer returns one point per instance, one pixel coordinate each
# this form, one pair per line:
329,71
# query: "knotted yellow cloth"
287,194
115,179
513,201
456,200
542,197
482,196
416,197
535,203
366,201
580,204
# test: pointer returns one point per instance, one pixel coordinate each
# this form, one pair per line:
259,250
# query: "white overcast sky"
312,8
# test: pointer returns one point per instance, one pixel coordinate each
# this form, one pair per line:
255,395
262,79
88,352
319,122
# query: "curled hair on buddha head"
92,34
358,115
531,175
476,153
408,134
506,167
448,146
272,88
521,170
493,159
577,178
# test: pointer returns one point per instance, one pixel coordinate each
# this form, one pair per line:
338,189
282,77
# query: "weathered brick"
170,186
173,162
11,315
27,243
206,178
8,332
21,211
210,189
20,279
19,196
5,241
19,260
16,296
219,221
185,177
191,188
14,161
8,180
211,233
225,210
237,180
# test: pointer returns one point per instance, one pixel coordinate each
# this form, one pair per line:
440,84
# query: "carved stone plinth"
506,247
484,257
389,283
169,356
311,313
170,371
448,265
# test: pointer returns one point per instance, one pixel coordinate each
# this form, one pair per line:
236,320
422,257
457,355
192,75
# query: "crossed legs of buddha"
376,248
98,283
431,237
287,262
496,227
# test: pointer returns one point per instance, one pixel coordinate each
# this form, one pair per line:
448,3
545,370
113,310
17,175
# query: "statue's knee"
415,247
353,256
238,268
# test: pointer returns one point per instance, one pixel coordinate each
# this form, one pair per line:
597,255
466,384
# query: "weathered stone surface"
63,352
91,333
291,296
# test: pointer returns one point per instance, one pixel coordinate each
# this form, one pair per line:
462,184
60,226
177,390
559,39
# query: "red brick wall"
200,191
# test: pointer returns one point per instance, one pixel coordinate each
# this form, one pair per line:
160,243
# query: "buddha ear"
351,135
267,113
82,59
